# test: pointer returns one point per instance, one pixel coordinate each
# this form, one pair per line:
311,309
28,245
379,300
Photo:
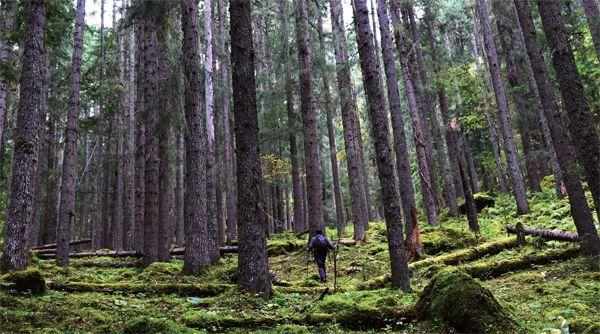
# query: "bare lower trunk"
566,157
379,128
470,164
407,191
252,260
348,109
197,245
129,154
512,162
309,118
66,210
179,191
19,210
138,228
429,201
581,126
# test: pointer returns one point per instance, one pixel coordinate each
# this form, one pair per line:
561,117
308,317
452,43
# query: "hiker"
321,246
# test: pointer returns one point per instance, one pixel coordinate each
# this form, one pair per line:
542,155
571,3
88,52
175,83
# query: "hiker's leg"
322,274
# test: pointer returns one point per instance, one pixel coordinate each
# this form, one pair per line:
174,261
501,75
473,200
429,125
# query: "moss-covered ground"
109,295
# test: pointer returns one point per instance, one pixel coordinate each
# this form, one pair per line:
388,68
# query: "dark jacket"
320,251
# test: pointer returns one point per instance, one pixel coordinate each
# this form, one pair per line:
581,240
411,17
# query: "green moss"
440,239
458,301
26,281
182,289
148,325
482,200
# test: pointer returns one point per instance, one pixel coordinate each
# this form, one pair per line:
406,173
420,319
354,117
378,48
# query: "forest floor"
108,295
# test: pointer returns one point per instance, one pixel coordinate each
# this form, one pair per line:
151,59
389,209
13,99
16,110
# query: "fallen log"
181,289
71,243
493,269
94,254
546,234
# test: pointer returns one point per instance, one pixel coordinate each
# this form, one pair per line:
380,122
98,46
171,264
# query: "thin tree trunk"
581,126
337,191
49,212
469,201
179,190
470,164
5,48
19,210
512,162
150,57
197,244
407,191
138,229
592,14
348,108
309,116
118,240
85,187
429,201
449,190
380,131
252,260
566,157
129,154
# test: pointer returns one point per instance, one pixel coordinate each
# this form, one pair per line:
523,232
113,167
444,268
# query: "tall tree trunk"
66,209
197,244
118,240
252,260
19,210
49,214
449,190
138,229
150,57
566,157
5,48
231,222
86,190
129,154
592,14
470,164
407,191
512,160
380,131
419,129
337,191
521,92
309,122
34,230
581,126
179,190
351,136
211,181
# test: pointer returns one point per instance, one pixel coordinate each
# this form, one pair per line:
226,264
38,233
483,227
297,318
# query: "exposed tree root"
182,289
496,268
546,234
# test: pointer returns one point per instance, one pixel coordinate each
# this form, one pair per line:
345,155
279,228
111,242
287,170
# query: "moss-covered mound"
26,281
148,325
458,301
482,200
440,239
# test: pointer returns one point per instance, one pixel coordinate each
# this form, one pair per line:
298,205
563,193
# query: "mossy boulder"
26,281
148,325
482,200
439,239
457,300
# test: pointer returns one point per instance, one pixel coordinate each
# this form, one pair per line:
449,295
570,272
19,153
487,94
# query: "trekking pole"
307,260
335,250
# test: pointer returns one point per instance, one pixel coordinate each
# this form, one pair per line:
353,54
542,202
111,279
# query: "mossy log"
94,254
182,289
106,264
72,243
25,281
492,269
546,234
488,248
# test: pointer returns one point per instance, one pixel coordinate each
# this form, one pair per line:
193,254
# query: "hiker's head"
318,232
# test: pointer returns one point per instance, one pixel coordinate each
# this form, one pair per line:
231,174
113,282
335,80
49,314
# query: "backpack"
321,243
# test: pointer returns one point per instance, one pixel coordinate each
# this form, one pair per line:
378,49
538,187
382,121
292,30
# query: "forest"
300,166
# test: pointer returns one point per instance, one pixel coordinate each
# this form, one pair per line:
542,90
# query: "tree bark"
337,191
7,30
150,57
456,142
138,229
429,201
581,126
407,191
197,244
309,119
129,154
179,190
512,162
380,131
66,209
348,108
253,259
566,157
19,210
592,14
